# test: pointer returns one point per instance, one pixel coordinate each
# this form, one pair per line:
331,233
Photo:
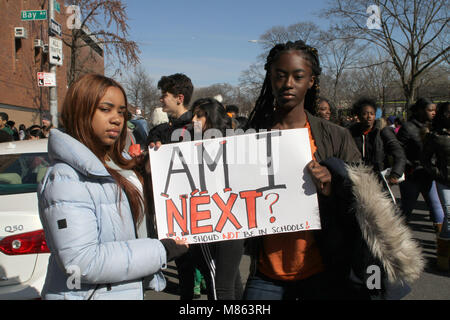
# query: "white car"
23,251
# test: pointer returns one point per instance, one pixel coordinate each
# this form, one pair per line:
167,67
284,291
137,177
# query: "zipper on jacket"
364,147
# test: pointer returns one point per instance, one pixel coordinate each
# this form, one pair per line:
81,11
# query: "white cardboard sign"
234,187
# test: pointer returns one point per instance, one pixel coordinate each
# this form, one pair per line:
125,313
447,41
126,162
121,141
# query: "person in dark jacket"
321,264
437,144
417,181
218,261
376,143
176,93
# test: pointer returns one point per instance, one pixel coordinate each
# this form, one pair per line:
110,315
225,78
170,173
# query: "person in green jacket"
3,120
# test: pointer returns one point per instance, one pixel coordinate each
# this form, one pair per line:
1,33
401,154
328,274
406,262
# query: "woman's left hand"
321,177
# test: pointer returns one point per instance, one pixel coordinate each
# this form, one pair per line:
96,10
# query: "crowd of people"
9,131
111,235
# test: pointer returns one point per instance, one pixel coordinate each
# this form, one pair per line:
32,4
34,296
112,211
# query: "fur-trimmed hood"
383,227
361,227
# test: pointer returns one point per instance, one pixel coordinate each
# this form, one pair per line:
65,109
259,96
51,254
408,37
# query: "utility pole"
53,90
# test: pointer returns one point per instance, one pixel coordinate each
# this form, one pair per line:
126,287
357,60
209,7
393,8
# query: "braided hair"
262,116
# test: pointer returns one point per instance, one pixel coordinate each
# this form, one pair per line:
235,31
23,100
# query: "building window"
17,47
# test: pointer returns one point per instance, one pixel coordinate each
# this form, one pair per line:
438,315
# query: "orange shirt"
311,140
291,256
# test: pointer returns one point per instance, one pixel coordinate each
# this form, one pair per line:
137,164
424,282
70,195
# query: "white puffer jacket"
85,230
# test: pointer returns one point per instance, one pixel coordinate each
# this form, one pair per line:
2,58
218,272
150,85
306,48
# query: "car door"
21,234
18,217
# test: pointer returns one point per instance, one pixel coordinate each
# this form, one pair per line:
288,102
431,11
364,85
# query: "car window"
21,173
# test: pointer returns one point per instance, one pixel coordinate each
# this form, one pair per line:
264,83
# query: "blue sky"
208,40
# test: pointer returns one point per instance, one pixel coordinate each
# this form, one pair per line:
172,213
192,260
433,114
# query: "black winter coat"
377,145
163,132
410,136
437,144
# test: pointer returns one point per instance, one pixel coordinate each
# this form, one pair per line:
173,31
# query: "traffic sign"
30,15
46,79
55,51
55,28
57,6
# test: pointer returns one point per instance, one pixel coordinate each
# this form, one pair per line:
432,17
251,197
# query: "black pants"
219,264
186,269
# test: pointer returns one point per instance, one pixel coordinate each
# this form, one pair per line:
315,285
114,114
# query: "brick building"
21,59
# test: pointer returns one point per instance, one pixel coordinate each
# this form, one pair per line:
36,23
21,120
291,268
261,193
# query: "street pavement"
432,285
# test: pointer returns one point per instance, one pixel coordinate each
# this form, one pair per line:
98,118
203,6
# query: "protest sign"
234,187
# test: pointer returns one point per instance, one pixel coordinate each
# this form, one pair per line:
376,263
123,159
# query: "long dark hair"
214,112
262,116
79,107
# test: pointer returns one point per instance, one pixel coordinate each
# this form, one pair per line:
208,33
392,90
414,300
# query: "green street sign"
30,15
57,6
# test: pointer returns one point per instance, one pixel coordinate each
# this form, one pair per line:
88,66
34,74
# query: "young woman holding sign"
330,263
218,261
91,202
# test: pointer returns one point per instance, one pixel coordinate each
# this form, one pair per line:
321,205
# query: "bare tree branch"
409,32
104,27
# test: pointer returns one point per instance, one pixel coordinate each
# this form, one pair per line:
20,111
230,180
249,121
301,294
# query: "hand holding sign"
174,248
226,188
321,177
155,145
